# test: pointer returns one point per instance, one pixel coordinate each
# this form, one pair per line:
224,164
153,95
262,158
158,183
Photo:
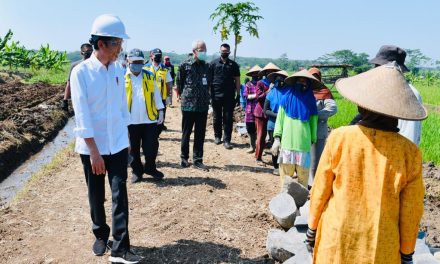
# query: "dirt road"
192,216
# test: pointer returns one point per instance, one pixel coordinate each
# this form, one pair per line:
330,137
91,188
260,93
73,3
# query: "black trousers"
161,127
223,115
145,135
116,166
198,121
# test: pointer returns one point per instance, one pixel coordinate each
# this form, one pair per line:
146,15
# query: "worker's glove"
310,239
406,258
252,96
168,100
160,119
65,105
275,149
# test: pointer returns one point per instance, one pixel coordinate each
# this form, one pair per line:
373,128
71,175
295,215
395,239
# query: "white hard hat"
109,26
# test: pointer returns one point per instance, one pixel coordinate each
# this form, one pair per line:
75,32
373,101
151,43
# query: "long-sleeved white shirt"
412,130
138,113
100,104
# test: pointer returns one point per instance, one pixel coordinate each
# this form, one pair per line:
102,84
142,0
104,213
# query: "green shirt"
295,134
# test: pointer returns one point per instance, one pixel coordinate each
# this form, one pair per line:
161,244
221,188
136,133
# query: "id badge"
204,81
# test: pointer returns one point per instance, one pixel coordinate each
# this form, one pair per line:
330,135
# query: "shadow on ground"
190,251
187,181
231,167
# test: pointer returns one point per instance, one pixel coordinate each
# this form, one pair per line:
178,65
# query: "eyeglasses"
114,42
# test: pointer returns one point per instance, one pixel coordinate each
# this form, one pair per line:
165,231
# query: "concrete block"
296,190
283,209
276,245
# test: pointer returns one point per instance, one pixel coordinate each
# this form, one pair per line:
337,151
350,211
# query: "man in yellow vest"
163,78
146,114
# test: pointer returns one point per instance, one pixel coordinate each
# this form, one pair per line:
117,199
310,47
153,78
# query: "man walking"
146,114
163,78
193,90
100,104
86,52
225,76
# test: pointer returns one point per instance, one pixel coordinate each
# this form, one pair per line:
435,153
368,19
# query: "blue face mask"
201,55
135,67
278,83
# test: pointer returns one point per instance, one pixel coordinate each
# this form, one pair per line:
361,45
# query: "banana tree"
231,19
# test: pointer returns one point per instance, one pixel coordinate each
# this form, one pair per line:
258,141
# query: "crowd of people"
366,184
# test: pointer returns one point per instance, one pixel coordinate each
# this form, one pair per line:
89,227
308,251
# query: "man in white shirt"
146,113
100,104
163,78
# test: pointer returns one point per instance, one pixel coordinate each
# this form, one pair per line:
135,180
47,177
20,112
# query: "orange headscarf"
323,93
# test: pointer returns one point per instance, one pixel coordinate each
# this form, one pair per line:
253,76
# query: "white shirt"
169,78
100,104
138,114
412,130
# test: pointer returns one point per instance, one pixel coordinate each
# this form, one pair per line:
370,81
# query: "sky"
302,29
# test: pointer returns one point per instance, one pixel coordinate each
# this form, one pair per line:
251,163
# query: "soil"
220,216
30,116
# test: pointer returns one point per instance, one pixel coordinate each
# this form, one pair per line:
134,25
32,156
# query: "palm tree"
231,18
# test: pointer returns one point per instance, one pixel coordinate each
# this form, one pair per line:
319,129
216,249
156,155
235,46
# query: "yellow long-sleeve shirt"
367,197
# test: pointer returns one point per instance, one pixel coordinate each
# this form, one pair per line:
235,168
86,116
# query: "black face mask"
157,58
87,54
224,55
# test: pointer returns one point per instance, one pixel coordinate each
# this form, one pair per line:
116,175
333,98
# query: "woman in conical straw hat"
295,130
260,117
367,198
250,94
271,105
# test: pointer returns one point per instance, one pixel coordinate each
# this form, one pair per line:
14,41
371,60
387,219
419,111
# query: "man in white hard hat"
100,105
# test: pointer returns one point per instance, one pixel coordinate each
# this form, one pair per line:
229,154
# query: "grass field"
34,76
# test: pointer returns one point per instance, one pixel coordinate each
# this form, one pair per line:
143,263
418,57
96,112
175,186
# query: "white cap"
109,26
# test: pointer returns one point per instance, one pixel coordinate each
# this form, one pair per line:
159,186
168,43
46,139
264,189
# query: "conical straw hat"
254,70
383,90
316,84
273,75
270,67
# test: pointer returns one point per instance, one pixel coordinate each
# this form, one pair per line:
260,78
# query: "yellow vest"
161,78
148,90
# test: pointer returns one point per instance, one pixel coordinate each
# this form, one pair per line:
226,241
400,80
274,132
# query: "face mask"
254,78
224,55
135,67
201,55
87,54
157,58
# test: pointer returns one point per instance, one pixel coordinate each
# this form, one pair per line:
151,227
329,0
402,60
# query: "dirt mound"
29,117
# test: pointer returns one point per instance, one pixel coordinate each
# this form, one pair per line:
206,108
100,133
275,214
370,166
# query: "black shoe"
184,163
227,145
217,141
164,128
99,247
128,258
157,175
199,165
135,178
